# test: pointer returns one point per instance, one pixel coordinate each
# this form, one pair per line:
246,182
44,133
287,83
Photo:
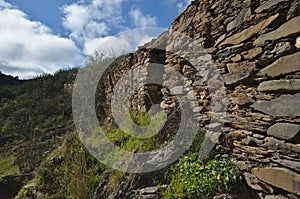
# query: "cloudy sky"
43,36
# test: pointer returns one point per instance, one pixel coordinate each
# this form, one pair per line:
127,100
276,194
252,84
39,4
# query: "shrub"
192,177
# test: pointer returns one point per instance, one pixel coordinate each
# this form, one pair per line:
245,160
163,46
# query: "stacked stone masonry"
255,46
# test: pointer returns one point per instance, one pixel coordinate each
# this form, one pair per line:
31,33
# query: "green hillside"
9,80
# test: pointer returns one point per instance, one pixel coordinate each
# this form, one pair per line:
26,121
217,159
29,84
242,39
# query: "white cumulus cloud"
112,45
4,4
91,23
141,20
122,43
92,19
28,48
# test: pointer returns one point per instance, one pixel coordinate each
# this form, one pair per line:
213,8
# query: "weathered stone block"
267,5
284,65
295,165
279,177
240,18
286,105
287,29
255,184
249,32
280,85
253,53
244,66
284,131
177,90
236,78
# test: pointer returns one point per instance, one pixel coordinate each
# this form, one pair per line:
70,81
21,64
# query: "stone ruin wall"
255,46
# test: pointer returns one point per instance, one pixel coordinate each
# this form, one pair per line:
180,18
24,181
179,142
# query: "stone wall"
255,46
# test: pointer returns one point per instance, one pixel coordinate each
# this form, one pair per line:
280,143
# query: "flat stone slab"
149,190
280,85
177,90
289,28
240,18
285,105
267,5
279,177
284,65
295,165
253,53
243,66
249,32
284,131
236,78
280,145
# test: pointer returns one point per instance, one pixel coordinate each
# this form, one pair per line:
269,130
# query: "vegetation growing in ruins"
36,128
193,177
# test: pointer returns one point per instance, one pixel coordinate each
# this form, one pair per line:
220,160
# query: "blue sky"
43,36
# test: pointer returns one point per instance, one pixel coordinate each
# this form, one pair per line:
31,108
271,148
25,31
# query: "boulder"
284,148
236,58
283,48
177,90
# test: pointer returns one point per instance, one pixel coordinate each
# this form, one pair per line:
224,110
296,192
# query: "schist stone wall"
255,48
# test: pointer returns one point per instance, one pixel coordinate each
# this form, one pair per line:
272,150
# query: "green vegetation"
34,116
192,177
35,121
71,173
26,191
68,172
141,120
130,143
6,168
